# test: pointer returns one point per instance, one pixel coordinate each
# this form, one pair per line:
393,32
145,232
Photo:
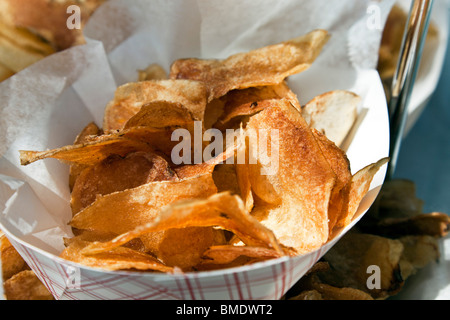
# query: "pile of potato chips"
394,235
18,280
134,208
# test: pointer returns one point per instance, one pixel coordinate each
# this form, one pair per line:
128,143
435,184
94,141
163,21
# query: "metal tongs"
403,81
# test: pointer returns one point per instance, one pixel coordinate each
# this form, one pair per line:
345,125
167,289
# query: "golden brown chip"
25,285
357,188
25,38
332,113
228,253
207,167
75,169
238,262
120,258
87,153
12,262
225,178
340,165
5,72
89,236
15,57
308,295
129,99
123,211
19,47
99,148
261,185
303,181
161,114
117,173
242,174
183,247
327,292
213,111
223,210
269,65
49,19
152,72
247,102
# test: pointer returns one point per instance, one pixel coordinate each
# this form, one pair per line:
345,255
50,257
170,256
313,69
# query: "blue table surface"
425,152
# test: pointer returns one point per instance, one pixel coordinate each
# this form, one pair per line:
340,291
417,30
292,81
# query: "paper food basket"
46,105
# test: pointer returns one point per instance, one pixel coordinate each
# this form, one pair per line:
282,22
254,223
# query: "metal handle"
410,54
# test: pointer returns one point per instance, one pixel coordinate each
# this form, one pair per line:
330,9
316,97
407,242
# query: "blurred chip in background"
33,29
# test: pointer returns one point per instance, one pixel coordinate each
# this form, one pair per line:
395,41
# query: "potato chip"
247,102
357,189
90,236
332,113
304,180
436,224
340,165
152,72
225,178
120,258
5,72
308,295
145,202
269,65
245,188
262,186
222,210
207,167
117,173
242,173
25,285
162,114
351,257
167,116
213,111
12,262
129,99
123,211
25,38
327,292
99,148
16,57
19,47
418,252
183,247
228,253
75,169
238,262
312,287
346,278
